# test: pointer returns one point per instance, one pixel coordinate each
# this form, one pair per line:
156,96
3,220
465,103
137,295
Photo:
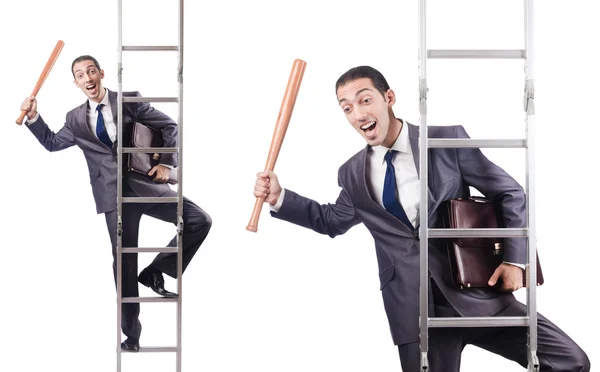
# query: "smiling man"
380,188
92,126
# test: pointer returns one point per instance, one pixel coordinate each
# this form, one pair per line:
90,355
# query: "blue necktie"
101,129
390,201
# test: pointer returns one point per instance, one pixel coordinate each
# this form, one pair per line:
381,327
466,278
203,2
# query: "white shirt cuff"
167,165
31,121
275,208
516,264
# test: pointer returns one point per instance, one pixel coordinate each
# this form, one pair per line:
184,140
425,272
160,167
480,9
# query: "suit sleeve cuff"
275,208
31,121
516,264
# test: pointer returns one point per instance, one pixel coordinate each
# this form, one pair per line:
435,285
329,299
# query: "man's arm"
61,140
497,185
148,115
331,219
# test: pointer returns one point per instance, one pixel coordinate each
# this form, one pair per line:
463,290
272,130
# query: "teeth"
368,125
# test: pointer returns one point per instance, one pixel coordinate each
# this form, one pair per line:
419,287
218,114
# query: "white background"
285,298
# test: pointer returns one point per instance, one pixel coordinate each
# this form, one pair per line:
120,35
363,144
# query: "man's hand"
30,107
511,277
162,173
267,185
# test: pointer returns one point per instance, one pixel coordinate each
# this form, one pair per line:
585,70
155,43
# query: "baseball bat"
285,113
45,72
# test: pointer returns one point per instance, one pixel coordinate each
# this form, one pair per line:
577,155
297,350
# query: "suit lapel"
361,171
85,130
112,98
413,134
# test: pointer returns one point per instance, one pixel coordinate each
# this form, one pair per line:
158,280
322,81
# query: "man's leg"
445,344
556,350
130,323
196,225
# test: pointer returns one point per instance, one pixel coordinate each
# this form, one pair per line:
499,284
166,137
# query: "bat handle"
21,117
253,224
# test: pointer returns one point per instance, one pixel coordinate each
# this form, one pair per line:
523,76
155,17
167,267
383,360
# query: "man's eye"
346,109
367,100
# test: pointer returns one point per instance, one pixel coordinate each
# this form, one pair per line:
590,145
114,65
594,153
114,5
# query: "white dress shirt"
407,178
107,114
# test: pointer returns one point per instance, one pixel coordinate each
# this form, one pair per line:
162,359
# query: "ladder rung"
128,300
477,233
150,99
476,143
150,250
158,349
476,53
159,199
150,48
147,150
492,321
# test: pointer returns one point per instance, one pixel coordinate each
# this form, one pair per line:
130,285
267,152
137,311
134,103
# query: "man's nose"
359,115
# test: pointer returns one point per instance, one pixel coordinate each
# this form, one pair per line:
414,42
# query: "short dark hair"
85,57
369,72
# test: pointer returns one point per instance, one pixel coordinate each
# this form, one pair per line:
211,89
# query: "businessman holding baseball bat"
92,126
380,188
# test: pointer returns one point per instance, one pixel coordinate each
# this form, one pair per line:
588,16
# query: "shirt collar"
104,101
402,144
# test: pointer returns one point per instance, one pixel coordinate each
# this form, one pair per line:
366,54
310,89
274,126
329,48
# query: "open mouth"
369,128
90,87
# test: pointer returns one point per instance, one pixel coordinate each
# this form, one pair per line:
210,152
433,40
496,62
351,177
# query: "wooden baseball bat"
285,113
45,72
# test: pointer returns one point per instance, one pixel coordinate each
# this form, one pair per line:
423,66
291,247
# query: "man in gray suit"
380,188
93,127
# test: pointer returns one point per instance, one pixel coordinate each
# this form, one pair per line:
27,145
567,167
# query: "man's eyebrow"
356,94
86,67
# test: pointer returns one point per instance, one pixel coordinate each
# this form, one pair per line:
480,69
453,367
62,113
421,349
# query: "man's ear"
390,97
101,74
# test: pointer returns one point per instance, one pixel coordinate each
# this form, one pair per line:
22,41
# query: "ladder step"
476,53
492,321
150,48
169,199
150,99
158,150
477,233
475,143
150,250
158,349
135,300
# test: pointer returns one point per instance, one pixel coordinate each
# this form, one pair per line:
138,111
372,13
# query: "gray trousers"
196,224
556,350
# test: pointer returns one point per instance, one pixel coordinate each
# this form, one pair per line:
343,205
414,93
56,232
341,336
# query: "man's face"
89,79
368,110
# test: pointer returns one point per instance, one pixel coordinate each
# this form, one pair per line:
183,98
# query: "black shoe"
154,280
131,345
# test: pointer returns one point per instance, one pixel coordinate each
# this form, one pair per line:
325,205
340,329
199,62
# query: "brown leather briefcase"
474,260
144,136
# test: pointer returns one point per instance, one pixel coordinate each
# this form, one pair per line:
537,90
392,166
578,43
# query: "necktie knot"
389,156
99,107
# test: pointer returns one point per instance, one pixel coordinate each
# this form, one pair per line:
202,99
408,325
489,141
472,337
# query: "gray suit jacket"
102,161
451,171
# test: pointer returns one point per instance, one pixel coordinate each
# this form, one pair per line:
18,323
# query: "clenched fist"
267,185
30,107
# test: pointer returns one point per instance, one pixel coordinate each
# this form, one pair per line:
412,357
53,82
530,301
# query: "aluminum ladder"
530,320
178,199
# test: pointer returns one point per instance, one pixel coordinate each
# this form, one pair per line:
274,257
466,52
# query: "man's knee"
197,221
581,362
